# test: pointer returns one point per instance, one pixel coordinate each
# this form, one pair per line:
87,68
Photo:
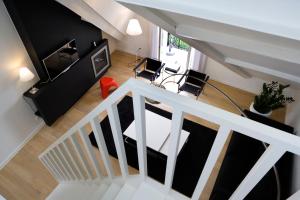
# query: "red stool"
105,84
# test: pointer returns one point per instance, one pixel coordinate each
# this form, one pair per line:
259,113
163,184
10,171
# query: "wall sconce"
26,75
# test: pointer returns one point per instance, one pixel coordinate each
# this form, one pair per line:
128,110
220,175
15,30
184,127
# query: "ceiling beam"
232,14
217,56
265,70
110,11
154,16
169,25
239,42
89,15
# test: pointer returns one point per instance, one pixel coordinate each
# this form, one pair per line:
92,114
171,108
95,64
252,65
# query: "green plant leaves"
271,97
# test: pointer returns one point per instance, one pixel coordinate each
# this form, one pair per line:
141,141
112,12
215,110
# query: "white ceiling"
261,38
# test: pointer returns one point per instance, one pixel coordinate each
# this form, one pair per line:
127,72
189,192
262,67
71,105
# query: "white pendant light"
25,74
134,28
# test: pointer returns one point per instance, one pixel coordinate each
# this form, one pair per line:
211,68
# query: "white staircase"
133,189
96,190
74,164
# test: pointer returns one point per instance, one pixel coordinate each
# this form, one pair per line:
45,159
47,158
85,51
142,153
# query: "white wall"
215,70
17,121
130,44
112,42
218,72
107,9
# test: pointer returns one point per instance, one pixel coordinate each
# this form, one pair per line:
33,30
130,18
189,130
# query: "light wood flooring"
25,178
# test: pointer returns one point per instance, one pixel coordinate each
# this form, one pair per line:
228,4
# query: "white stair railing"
66,165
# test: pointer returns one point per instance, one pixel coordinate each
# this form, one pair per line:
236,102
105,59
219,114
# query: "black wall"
55,98
45,25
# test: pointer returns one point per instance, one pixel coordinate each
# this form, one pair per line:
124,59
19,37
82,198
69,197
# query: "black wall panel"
45,25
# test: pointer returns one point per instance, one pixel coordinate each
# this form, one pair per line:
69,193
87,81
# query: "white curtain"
197,61
154,41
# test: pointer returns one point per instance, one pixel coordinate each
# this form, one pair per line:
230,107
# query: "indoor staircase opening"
81,175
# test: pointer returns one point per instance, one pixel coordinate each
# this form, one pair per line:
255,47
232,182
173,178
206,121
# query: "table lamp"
26,75
134,29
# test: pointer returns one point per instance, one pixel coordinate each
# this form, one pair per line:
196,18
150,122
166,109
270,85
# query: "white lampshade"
134,27
25,74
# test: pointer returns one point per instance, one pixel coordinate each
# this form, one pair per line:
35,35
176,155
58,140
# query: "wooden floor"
25,178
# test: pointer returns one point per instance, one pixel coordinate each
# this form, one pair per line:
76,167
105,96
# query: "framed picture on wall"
100,61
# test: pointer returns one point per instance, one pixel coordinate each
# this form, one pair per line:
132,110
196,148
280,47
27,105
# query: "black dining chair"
191,83
151,71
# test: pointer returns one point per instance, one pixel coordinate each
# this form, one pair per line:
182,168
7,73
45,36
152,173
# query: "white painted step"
2,198
100,192
111,192
126,193
147,192
295,196
74,191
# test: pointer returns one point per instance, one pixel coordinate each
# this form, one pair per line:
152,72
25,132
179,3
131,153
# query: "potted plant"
270,98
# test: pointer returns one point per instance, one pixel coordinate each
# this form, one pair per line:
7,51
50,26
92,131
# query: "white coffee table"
157,133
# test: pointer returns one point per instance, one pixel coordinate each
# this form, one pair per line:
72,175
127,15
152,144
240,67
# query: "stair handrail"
279,141
278,184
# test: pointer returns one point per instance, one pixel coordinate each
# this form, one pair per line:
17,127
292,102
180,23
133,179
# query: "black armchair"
191,83
151,71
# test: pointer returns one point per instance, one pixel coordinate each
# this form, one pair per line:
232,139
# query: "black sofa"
242,154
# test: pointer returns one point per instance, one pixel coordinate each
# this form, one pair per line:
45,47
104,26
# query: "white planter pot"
252,109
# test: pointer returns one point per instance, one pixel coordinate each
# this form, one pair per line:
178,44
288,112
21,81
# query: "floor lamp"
134,29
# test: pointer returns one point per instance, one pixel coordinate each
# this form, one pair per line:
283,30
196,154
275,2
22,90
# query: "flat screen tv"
61,60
